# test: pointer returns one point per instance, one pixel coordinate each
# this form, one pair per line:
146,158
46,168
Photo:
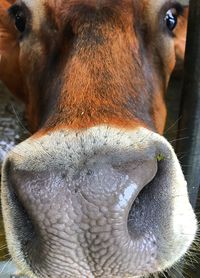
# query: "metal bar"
188,147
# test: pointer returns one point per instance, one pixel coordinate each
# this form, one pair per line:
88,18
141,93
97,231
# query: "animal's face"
96,191
118,56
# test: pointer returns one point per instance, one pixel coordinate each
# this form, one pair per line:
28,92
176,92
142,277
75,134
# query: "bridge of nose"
102,75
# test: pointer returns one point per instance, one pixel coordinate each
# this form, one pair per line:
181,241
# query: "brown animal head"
96,191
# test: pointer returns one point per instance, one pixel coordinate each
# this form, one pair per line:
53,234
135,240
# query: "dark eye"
171,19
19,17
20,22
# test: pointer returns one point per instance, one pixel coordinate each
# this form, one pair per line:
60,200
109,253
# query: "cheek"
170,59
31,60
166,53
159,113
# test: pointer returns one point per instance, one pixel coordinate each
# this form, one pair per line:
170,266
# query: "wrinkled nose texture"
86,212
98,194
96,203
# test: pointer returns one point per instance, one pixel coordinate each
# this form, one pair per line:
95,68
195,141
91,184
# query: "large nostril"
151,202
141,172
92,203
102,183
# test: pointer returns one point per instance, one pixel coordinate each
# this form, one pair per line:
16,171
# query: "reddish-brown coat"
108,81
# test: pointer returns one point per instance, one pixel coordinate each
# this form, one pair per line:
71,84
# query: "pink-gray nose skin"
100,192
82,207
92,206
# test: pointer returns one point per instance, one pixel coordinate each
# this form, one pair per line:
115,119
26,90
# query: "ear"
9,52
180,39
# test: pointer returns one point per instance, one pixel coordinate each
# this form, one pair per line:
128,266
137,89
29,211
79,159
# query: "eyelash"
174,5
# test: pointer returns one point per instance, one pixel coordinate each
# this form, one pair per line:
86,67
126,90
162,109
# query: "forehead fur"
73,8
61,9
58,5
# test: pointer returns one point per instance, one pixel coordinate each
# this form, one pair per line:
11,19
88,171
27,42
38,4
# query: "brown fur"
10,72
104,69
